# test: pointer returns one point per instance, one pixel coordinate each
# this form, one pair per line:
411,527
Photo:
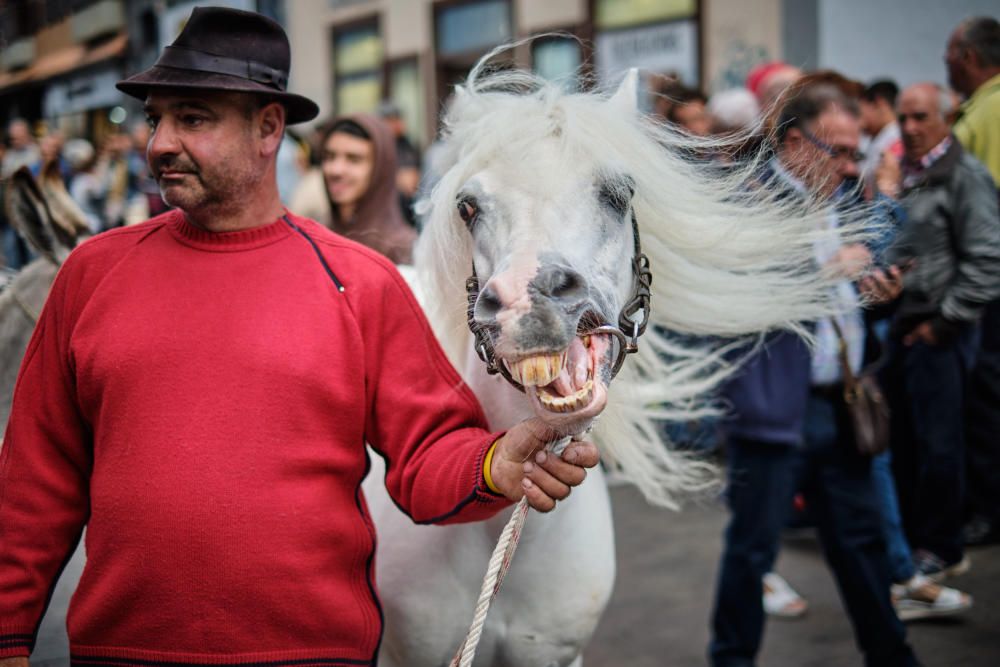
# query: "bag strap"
851,389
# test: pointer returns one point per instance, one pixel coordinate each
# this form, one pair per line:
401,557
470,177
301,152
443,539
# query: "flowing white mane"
728,260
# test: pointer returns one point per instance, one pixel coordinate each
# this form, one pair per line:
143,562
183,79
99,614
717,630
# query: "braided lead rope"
495,572
500,562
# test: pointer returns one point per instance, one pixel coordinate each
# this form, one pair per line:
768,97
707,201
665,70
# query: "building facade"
59,59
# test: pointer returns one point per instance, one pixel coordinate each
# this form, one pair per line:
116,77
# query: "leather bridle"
627,331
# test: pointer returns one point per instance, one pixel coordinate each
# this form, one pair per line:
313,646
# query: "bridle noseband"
627,332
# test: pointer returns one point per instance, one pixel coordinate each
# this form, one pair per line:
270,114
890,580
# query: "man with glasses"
788,426
952,234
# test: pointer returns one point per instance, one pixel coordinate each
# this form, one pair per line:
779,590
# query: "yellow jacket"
978,126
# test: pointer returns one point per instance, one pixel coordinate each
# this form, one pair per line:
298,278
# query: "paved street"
667,562
666,570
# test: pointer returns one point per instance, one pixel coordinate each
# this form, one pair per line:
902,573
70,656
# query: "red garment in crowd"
202,402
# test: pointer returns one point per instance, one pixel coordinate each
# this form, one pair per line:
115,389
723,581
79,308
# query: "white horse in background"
543,195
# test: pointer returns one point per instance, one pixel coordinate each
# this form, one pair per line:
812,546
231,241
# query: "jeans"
926,387
897,548
838,489
762,481
982,422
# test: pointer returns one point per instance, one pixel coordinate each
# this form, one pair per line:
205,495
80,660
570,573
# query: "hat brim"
299,109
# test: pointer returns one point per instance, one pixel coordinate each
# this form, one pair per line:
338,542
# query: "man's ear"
271,127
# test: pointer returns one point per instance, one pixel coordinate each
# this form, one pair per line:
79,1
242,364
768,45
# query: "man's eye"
193,121
152,122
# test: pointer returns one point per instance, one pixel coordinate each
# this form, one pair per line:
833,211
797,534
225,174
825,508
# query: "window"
610,14
557,59
475,26
357,63
405,93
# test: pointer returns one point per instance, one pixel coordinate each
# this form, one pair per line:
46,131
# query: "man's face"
920,120
824,154
202,149
348,163
871,116
20,135
956,59
694,118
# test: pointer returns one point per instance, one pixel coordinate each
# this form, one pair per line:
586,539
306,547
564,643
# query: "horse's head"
552,243
44,213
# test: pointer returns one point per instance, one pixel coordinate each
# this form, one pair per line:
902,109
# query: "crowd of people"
921,165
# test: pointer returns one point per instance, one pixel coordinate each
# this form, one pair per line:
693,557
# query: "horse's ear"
70,222
627,96
29,213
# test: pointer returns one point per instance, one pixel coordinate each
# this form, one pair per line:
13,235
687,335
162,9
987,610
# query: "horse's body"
537,199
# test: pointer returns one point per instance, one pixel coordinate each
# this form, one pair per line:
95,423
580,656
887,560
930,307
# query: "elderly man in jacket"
952,234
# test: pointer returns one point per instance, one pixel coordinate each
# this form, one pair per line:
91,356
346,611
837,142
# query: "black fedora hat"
229,50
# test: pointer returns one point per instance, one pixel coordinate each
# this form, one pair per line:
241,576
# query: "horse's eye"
467,210
617,195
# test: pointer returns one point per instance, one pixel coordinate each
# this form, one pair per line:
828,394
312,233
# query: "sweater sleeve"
45,464
422,417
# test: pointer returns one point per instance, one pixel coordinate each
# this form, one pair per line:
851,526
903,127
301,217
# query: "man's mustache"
173,164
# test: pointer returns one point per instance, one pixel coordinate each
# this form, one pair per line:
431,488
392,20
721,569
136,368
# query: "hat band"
180,57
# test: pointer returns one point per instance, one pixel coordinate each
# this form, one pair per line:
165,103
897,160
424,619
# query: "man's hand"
888,175
924,333
13,662
851,260
522,467
882,286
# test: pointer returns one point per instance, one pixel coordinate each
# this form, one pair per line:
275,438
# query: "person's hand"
924,333
851,260
14,662
881,286
521,466
888,175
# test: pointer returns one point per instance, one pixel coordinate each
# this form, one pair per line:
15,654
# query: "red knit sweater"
201,402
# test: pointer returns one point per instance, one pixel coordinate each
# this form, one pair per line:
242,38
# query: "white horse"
548,199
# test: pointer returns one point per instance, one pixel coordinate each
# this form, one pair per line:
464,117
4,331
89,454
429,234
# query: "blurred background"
59,59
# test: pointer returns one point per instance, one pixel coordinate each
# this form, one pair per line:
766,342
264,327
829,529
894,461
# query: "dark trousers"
838,489
926,386
982,423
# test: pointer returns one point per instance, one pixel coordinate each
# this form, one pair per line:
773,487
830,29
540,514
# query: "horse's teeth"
571,403
539,370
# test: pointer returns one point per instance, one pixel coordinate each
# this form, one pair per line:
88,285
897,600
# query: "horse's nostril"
559,283
487,305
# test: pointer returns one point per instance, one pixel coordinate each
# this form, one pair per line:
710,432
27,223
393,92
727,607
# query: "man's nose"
163,141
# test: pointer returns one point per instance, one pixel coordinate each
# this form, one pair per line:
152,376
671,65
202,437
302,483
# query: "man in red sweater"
199,391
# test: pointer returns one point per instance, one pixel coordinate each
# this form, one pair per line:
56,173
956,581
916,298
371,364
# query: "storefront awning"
63,61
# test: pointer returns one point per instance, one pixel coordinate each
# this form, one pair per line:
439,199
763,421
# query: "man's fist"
522,466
